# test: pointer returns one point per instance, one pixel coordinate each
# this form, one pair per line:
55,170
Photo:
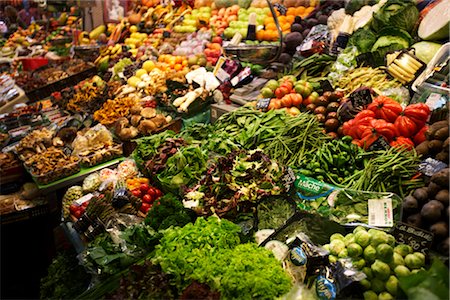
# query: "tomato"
77,214
158,193
385,108
418,113
137,193
73,208
85,204
364,113
402,142
147,198
145,207
405,126
420,136
276,103
151,191
144,188
281,91
271,105
297,100
375,129
286,101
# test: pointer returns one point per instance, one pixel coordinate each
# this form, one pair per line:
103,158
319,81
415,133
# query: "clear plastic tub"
101,156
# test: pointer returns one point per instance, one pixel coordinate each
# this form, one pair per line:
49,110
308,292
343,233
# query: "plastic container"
56,174
101,156
30,64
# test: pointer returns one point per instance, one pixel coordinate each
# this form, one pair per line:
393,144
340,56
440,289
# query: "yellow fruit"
140,72
133,81
133,28
148,65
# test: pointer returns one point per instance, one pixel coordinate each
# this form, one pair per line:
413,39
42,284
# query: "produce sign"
418,239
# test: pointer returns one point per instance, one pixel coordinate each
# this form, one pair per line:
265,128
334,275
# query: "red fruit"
158,192
402,142
147,198
151,192
137,193
217,39
145,207
144,188
281,91
73,208
77,214
85,204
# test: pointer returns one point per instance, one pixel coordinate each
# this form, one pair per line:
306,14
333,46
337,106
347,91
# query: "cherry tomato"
77,214
158,193
144,188
136,193
73,208
145,207
151,192
147,198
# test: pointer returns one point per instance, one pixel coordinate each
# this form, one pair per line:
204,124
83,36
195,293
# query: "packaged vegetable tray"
345,206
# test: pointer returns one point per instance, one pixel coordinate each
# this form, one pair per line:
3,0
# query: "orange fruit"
178,67
286,26
309,10
300,10
271,26
290,18
184,63
260,35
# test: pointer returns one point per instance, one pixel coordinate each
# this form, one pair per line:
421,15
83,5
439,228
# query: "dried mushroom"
148,112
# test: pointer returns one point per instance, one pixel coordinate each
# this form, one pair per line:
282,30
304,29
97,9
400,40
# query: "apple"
267,93
243,32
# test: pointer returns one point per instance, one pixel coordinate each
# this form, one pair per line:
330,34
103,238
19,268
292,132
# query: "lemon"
133,28
148,65
133,81
140,72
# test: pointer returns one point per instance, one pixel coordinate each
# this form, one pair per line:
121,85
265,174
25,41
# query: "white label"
83,199
435,101
380,212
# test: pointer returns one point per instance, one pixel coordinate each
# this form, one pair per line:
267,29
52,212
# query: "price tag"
380,212
419,239
430,166
263,103
380,144
361,98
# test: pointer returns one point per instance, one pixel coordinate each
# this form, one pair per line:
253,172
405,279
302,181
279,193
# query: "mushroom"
148,112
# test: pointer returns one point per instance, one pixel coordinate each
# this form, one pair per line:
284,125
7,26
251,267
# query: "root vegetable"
442,156
435,146
444,247
435,127
442,133
442,196
432,211
415,220
410,204
422,148
433,189
441,177
421,195
446,145
440,229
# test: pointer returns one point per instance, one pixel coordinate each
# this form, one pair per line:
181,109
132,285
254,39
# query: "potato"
421,195
439,229
435,127
446,145
442,156
441,134
442,196
423,149
435,146
441,177
433,189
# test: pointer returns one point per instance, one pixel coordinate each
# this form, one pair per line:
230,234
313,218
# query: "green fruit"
365,284
385,252
403,249
343,254
354,250
336,236
272,84
267,93
368,272
359,264
370,253
377,285
392,285
396,261
370,295
413,261
326,247
385,296
379,237
362,238
332,258
359,228
402,271
381,270
336,246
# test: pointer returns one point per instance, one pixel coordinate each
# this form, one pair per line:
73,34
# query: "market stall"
237,149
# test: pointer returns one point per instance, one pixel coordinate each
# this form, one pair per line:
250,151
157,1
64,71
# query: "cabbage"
426,50
402,14
363,39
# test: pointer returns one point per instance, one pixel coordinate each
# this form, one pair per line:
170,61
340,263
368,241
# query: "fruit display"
379,257
73,193
140,188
